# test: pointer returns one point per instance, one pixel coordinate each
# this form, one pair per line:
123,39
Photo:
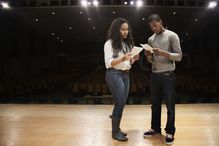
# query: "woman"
118,63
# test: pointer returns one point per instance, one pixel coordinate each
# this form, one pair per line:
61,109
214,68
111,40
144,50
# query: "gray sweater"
167,41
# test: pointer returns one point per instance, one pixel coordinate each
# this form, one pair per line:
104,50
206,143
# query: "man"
167,50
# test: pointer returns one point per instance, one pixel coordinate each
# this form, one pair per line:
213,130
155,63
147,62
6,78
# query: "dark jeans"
118,83
163,86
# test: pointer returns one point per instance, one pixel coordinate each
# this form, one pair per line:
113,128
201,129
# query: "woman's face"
124,30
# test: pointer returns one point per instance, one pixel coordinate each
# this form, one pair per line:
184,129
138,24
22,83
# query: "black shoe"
169,139
150,133
120,130
118,136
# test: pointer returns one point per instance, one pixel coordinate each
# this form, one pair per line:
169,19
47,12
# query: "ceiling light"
84,3
95,3
125,3
139,3
132,2
5,5
212,4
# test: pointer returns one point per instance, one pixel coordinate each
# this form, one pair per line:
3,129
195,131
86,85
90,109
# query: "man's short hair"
154,17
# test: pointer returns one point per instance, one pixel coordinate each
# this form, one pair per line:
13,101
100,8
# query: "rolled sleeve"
176,54
108,54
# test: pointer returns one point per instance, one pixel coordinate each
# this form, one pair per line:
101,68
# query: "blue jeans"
163,86
118,82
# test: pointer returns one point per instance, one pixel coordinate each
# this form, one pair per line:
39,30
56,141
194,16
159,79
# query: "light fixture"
187,33
212,4
89,3
70,27
125,3
84,3
57,38
53,33
36,19
95,3
89,19
196,20
174,13
94,27
53,13
81,12
139,3
131,2
61,41
143,19
114,12
5,5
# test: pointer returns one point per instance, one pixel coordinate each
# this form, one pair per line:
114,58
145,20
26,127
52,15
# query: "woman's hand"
136,57
126,56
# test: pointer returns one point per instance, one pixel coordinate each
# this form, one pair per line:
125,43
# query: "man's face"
155,26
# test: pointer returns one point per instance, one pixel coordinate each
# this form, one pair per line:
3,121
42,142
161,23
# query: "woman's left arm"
135,58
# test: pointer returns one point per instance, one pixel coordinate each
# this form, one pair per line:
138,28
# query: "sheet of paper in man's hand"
136,50
147,47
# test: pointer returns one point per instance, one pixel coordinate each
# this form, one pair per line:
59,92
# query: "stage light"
196,20
5,5
125,3
36,20
143,19
89,3
131,2
70,27
139,3
53,13
114,12
89,19
95,3
84,3
212,4
53,33
174,13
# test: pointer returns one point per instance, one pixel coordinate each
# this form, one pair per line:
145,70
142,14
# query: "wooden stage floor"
89,125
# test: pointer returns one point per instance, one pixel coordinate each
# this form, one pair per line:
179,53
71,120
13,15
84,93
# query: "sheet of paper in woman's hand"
136,50
147,47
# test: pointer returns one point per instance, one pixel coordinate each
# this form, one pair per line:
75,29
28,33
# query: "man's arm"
176,55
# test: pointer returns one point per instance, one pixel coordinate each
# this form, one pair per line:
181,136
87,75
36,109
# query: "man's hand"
160,52
147,53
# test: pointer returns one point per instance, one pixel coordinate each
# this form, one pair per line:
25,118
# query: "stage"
89,125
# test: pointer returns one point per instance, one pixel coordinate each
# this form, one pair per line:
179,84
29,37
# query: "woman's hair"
115,36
